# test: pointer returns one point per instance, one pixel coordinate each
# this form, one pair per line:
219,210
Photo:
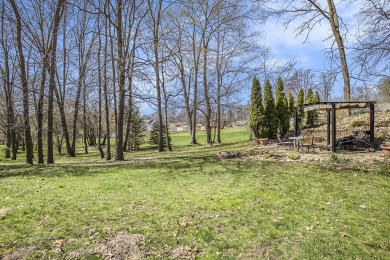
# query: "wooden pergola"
330,108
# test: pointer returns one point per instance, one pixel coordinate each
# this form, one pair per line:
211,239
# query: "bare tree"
105,85
300,79
373,48
52,82
25,88
314,13
7,79
100,83
84,41
325,85
155,13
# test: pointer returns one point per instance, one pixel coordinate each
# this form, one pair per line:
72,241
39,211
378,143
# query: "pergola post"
295,122
333,127
328,127
372,122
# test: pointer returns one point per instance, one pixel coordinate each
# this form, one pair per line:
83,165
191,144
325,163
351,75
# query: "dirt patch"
5,211
18,254
120,246
274,152
183,252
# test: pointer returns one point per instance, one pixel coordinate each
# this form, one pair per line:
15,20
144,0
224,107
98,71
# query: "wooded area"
82,70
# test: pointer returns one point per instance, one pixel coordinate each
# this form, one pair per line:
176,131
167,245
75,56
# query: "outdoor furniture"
296,140
308,142
284,143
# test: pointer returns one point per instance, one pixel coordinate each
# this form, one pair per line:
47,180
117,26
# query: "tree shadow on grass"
177,165
44,170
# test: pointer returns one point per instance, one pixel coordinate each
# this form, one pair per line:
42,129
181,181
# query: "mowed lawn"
215,209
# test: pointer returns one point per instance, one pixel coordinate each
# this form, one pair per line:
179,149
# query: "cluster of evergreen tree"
312,117
270,117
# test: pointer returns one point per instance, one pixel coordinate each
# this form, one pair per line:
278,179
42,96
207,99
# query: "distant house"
239,123
181,126
172,127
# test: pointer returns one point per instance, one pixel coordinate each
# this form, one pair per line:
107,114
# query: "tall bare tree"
155,9
52,82
313,13
85,40
7,79
25,88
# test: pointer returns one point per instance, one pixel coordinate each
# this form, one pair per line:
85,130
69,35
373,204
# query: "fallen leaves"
56,247
345,234
310,228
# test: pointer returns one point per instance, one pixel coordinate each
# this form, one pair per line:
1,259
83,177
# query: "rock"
5,211
226,155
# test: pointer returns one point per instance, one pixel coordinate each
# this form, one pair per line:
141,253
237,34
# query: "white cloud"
286,44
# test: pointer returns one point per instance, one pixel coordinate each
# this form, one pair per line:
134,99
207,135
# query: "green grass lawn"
215,208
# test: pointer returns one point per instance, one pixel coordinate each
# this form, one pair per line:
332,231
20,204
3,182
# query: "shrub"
359,123
293,156
335,158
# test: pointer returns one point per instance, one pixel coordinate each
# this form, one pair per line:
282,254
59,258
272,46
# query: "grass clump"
335,158
293,156
358,123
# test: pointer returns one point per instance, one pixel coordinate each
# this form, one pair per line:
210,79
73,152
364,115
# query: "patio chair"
307,142
284,143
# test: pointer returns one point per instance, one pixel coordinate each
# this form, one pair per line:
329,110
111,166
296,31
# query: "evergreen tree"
137,132
298,103
310,114
154,135
290,102
256,109
316,113
270,117
287,116
282,113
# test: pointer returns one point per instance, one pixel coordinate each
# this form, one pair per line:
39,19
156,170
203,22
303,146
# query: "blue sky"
285,44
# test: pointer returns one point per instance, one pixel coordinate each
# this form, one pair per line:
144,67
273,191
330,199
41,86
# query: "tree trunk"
128,124
75,116
85,118
166,100
121,84
334,22
40,110
22,65
219,86
156,27
206,97
130,90
8,92
105,92
186,96
52,84
101,152
196,57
